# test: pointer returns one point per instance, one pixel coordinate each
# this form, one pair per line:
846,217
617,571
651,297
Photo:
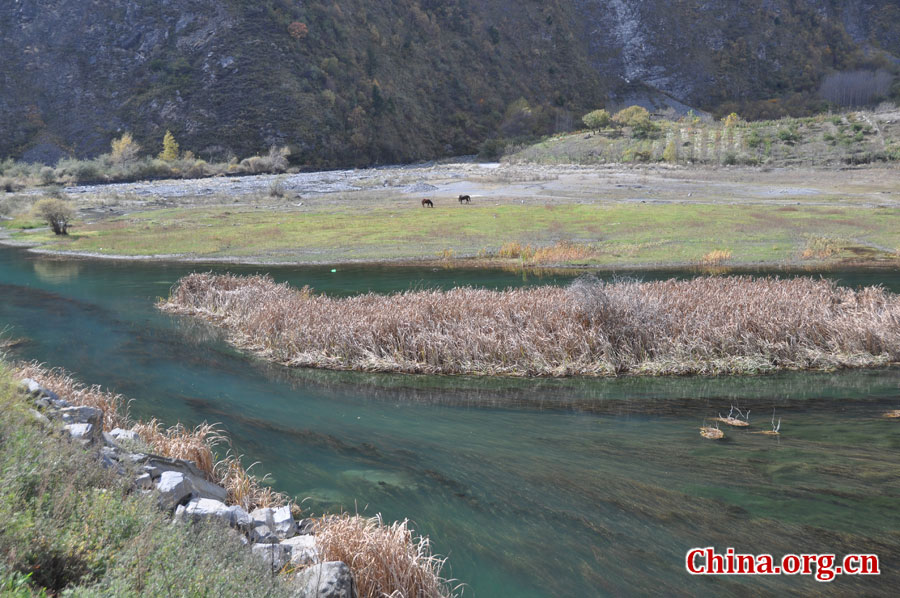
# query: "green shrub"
670,154
10,185
788,135
754,139
17,585
636,155
731,120
56,212
597,119
81,171
491,149
638,119
48,175
632,116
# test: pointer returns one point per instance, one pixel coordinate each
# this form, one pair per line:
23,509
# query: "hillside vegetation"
822,140
352,82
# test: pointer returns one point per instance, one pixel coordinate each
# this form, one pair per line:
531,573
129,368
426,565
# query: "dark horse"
465,198
427,203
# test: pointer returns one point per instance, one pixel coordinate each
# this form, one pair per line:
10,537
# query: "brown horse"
427,203
465,198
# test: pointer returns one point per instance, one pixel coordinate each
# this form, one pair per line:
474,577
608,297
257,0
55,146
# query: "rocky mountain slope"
348,82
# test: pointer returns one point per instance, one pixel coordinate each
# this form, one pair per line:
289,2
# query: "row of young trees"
635,117
125,149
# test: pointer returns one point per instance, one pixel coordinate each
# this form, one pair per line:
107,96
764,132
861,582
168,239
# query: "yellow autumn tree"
124,149
170,148
731,120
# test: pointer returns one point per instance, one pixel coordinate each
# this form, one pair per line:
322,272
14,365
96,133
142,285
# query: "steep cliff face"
707,53
355,82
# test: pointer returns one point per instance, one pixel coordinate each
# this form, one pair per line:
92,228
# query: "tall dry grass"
716,257
558,253
704,325
114,406
177,442
244,488
821,248
388,561
198,444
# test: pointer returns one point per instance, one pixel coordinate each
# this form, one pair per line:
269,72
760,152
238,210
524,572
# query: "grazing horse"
465,198
427,203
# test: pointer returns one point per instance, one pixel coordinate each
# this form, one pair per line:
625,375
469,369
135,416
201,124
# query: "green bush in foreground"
74,529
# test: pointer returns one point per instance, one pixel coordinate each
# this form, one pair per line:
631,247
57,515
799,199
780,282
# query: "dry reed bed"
706,325
383,557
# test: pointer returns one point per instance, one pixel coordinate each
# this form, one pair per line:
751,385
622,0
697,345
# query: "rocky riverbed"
524,183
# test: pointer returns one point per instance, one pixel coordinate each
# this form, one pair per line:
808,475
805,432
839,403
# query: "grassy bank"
71,525
601,233
702,326
203,444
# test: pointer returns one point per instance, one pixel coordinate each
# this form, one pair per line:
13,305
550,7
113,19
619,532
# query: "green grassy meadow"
611,234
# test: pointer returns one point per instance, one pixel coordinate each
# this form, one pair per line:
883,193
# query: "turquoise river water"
532,488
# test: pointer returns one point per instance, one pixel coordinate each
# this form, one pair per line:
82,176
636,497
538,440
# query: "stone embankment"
180,488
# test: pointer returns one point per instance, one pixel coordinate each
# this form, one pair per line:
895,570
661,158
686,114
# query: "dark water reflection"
534,487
